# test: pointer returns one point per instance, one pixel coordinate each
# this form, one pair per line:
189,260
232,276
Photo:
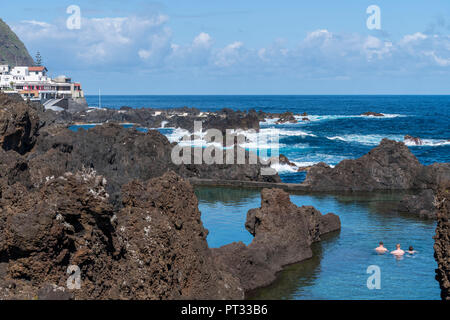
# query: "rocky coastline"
88,198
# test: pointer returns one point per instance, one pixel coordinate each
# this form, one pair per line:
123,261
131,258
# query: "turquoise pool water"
338,269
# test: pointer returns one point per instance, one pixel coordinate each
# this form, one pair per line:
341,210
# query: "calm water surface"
338,268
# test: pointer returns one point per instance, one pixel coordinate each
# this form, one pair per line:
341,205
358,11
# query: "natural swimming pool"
338,269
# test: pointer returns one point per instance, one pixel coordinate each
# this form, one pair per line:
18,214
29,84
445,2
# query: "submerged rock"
283,234
442,241
389,166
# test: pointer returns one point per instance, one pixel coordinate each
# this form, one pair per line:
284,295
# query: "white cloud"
440,61
229,55
147,43
202,40
413,38
38,23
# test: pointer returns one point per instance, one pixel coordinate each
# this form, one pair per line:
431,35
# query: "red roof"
37,69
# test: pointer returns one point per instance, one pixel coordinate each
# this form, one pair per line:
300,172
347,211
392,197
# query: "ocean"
336,131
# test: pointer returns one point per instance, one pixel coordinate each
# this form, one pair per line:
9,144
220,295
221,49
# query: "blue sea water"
336,131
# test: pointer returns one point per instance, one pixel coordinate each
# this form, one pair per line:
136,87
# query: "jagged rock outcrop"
389,166
283,234
18,125
287,117
153,248
442,241
121,155
175,118
68,221
421,204
167,256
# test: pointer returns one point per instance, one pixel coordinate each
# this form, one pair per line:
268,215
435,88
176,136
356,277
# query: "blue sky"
242,47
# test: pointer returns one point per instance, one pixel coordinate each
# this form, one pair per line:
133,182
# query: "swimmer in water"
411,250
381,248
398,251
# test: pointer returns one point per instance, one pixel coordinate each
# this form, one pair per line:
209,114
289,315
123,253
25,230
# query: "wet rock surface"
389,166
283,234
421,205
414,140
372,114
287,117
442,241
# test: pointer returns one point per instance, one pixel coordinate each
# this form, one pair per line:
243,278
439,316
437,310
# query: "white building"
34,84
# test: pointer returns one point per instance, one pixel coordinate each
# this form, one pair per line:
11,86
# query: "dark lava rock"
230,119
283,234
442,241
65,222
123,154
421,204
389,166
415,140
283,160
167,255
287,117
153,248
54,293
373,114
18,125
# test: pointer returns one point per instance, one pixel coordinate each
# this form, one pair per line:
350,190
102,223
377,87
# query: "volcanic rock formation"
442,241
153,248
389,166
283,234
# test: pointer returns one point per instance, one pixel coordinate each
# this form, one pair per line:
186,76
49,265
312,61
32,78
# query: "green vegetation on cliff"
12,50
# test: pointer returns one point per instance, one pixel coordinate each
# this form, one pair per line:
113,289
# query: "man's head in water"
381,248
411,248
398,251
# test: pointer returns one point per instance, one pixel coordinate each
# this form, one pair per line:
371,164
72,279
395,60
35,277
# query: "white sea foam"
371,139
283,168
375,139
429,143
313,118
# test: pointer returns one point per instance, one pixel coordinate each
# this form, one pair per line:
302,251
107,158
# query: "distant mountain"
12,50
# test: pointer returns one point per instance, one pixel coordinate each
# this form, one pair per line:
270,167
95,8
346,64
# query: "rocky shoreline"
88,198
